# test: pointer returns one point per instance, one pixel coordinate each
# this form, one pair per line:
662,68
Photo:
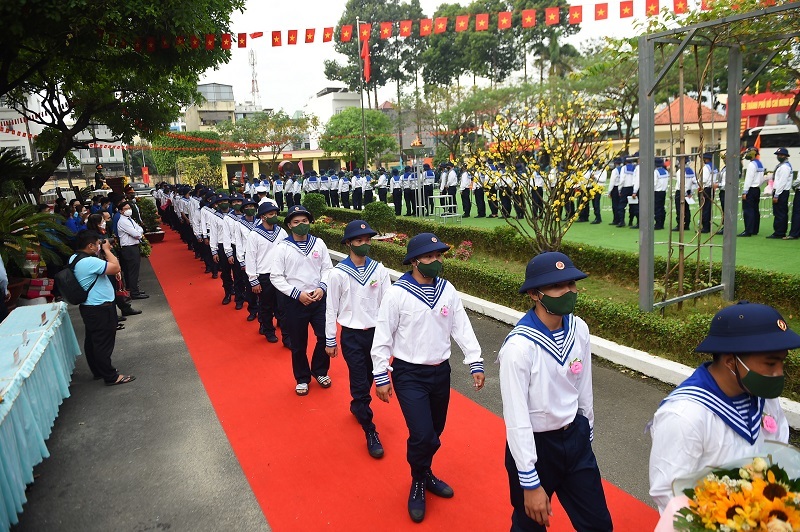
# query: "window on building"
111,152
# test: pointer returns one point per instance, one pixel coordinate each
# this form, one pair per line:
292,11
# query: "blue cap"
395,171
341,173
331,172
617,160
357,228
782,151
421,244
267,206
708,155
549,267
748,328
237,196
297,210
659,161
248,202
221,197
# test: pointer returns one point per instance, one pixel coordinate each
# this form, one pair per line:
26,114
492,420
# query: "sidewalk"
149,455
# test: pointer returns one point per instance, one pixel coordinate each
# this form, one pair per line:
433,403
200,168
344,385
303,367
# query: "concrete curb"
645,363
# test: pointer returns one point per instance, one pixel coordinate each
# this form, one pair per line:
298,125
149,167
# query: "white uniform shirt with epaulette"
311,184
698,426
542,387
324,183
616,177
660,179
367,182
690,182
754,175
782,180
709,175
466,181
396,182
206,219
195,217
415,324
344,184
383,180
333,183
258,255
299,267
219,233
354,296
429,177
243,230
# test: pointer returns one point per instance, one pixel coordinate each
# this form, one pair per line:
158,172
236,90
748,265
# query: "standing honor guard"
428,180
480,194
246,223
325,186
358,190
728,407
355,290
219,238
660,186
690,185
782,185
751,192
709,177
333,186
261,243
548,405
408,192
614,186
465,186
383,184
368,181
417,317
288,189
277,190
300,269
396,186
344,189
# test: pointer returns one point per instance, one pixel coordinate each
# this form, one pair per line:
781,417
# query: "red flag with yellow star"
211,39
365,31
482,22
440,25
194,42
226,41
425,26
680,7
164,43
552,16
256,34
276,38
386,29
601,11
347,33
327,35
291,37
651,8
310,34
180,40
151,45
462,23
626,9
405,28
528,18
242,40
504,20
575,14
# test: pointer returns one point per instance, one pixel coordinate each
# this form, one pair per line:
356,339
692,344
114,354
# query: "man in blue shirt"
98,312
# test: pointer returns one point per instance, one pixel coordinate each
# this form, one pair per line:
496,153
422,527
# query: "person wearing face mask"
417,317
130,197
546,385
355,290
728,407
130,236
245,224
99,224
76,221
751,192
780,194
300,269
221,243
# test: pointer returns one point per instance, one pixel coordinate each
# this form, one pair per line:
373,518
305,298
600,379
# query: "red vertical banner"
575,14
180,40
146,175
601,11
226,41
504,20
626,9
310,34
552,16
425,26
165,43
150,45
386,29
291,37
679,6
405,28
462,23
440,25
211,40
705,5
528,18
242,40
327,35
276,38
365,31
194,42
482,22
346,33
365,57
137,45
651,7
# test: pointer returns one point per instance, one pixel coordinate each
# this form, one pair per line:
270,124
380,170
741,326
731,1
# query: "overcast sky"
289,75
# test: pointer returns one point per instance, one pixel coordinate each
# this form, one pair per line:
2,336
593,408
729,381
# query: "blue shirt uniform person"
794,234
355,290
751,192
614,185
300,269
681,201
729,407
781,187
428,180
548,406
325,186
417,317
98,312
358,190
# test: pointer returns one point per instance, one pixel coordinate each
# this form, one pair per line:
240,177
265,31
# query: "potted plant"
150,220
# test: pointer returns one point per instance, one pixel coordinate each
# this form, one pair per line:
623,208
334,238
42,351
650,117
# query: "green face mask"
301,229
237,207
431,270
362,250
249,212
560,306
223,206
271,220
760,385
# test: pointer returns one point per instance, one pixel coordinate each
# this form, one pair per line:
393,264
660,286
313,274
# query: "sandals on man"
324,381
301,389
122,379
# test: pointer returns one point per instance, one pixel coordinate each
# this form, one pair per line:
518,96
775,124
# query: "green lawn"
756,252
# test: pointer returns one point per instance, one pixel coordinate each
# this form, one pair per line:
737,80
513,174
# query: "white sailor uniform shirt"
354,296
219,233
396,183
709,175
258,254
693,429
615,179
690,181
344,184
383,181
782,180
299,267
754,175
660,179
243,230
196,218
540,390
415,323
466,181
333,183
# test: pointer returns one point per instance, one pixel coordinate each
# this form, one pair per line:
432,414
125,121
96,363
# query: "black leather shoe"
595,222
774,236
621,224
416,501
438,487
139,296
744,234
635,226
374,445
131,312
271,338
121,318
239,305
252,316
226,299
214,275
790,237
287,343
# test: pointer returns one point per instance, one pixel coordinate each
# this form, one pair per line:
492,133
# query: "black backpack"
68,285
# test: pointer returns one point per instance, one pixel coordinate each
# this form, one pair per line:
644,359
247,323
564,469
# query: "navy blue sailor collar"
360,274
427,293
532,328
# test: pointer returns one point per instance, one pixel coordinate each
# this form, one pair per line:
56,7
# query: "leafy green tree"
342,135
166,159
544,41
198,169
445,58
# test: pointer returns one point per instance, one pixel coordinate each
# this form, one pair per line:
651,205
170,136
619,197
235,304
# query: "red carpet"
306,459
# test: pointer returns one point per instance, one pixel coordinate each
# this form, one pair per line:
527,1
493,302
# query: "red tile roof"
690,106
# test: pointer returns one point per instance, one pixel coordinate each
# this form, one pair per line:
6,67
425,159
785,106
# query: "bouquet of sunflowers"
758,495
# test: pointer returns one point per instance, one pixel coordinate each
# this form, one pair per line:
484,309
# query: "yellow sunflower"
777,508
770,488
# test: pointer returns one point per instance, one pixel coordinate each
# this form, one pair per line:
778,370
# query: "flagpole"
361,83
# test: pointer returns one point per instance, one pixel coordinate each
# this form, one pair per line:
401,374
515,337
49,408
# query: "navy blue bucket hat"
549,267
782,151
357,228
748,328
421,244
297,210
267,206
221,197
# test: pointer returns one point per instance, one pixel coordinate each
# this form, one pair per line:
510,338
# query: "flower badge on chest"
769,424
576,366
373,283
315,254
445,311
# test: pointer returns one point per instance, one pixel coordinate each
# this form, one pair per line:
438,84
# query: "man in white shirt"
396,186
221,242
708,178
728,407
355,289
548,405
358,190
660,186
417,317
614,187
751,192
382,185
781,187
333,186
300,269
690,187
794,234
465,186
130,236
628,175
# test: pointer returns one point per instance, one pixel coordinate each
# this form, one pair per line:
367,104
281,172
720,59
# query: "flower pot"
155,237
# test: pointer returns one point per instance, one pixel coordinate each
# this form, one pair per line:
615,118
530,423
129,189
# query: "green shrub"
315,203
380,217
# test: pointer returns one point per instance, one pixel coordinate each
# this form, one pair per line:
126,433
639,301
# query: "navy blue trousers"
299,317
780,211
750,214
424,396
795,216
356,346
567,466
239,280
225,271
268,307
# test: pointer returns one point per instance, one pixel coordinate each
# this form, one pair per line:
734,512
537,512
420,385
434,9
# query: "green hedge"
504,242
